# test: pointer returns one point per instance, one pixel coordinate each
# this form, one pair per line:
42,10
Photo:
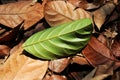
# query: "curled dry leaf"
97,53
58,12
80,60
101,13
20,67
4,50
59,65
13,14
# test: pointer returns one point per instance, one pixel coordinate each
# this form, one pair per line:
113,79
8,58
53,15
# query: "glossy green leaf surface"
60,41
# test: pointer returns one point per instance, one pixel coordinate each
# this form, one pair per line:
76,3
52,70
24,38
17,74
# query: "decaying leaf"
20,67
97,53
101,13
58,12
59,65
13,14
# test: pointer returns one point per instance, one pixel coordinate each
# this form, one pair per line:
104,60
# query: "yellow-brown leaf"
58,12
21,67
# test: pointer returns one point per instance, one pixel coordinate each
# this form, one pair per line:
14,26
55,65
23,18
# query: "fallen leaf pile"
98,60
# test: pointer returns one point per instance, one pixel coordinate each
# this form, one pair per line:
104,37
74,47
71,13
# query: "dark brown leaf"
97,53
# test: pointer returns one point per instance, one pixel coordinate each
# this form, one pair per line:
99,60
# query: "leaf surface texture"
13,14
60,41
58,12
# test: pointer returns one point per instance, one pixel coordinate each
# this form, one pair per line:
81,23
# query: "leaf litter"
99,60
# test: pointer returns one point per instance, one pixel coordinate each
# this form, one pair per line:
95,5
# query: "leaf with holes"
60,41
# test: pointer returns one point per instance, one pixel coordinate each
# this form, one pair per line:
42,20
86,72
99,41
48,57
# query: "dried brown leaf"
20,67
59,65
97,53
101,13
13,14
58,12
80,60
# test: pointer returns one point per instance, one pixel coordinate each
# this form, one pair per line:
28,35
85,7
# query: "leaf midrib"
55,36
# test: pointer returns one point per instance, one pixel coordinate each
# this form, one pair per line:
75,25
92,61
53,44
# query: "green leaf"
60,41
